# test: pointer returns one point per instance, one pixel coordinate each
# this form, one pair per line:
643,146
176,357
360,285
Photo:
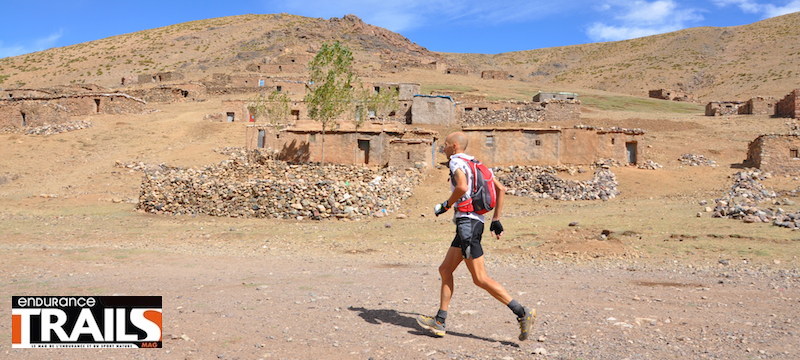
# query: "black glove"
442,208
496,227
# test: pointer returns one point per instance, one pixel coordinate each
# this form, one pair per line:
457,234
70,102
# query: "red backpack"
484,197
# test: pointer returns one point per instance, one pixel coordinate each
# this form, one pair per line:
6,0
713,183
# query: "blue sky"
465,26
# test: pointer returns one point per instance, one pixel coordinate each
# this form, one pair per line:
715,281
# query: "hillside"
712,63
200,48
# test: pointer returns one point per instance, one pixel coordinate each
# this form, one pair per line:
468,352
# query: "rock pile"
542,182
613,129
741,202
650,165
525,113
256,186
59,128
607,163
696,160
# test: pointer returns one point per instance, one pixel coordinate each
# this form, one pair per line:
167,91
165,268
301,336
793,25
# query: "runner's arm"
460,188
500,191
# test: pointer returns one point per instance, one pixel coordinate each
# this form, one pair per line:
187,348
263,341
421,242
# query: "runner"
466,245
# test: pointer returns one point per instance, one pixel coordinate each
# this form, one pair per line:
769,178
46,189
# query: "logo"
86,321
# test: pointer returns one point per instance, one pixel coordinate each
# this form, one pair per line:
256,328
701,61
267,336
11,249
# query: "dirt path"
363,306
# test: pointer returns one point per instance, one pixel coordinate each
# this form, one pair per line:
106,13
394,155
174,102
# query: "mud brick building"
35,111
433,110
775,153
758,106
170,93
720,108
789,106
369,146
546,146
159,77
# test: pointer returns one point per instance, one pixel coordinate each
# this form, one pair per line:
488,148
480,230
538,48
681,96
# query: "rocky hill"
711,63
200,48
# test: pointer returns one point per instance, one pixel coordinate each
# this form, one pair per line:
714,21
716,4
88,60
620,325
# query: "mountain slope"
200,48
713,63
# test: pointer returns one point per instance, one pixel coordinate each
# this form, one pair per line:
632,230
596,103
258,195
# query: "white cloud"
772,10
400,15
766,10
642,18
35,45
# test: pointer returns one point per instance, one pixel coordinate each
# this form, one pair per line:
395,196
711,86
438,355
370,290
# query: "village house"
775,153
433,110
720,108
456,71
159,77
547,146
789,106
35,111
758,105
169,93
370,145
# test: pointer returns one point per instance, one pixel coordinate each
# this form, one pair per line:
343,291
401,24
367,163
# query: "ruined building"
547,146
34,111
666,94
370,145
758,106
789,106
778,154
720,108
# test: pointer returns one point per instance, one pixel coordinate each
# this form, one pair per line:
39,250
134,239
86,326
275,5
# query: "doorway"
230,116
363,146
97,105
24,119
296,114
631,150
262,134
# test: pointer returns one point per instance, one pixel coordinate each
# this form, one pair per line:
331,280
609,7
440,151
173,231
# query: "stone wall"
433,110
789,106
169,94
520,112
16,115
758,106
720,108
777,154
256,186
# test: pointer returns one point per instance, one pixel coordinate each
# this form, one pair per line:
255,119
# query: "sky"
461,26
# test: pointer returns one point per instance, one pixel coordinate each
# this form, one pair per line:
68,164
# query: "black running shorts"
468,237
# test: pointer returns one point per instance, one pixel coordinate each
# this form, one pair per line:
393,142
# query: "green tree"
331,86
380,102
274,107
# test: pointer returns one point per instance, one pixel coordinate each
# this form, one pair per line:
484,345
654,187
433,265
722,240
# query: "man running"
466,245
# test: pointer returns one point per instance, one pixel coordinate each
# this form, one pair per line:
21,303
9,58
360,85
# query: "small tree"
331,86
274,107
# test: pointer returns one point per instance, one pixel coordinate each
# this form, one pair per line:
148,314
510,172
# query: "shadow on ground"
388,316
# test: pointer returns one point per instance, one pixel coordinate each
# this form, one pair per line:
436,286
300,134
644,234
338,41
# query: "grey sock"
441,315
516,308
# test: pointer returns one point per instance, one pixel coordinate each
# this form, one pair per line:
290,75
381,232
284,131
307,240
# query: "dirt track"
274,301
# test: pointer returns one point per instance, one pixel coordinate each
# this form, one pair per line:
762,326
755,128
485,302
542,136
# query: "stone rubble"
258,186
141,166
696,160
614,129
742,201
542,183
649,165
53,129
